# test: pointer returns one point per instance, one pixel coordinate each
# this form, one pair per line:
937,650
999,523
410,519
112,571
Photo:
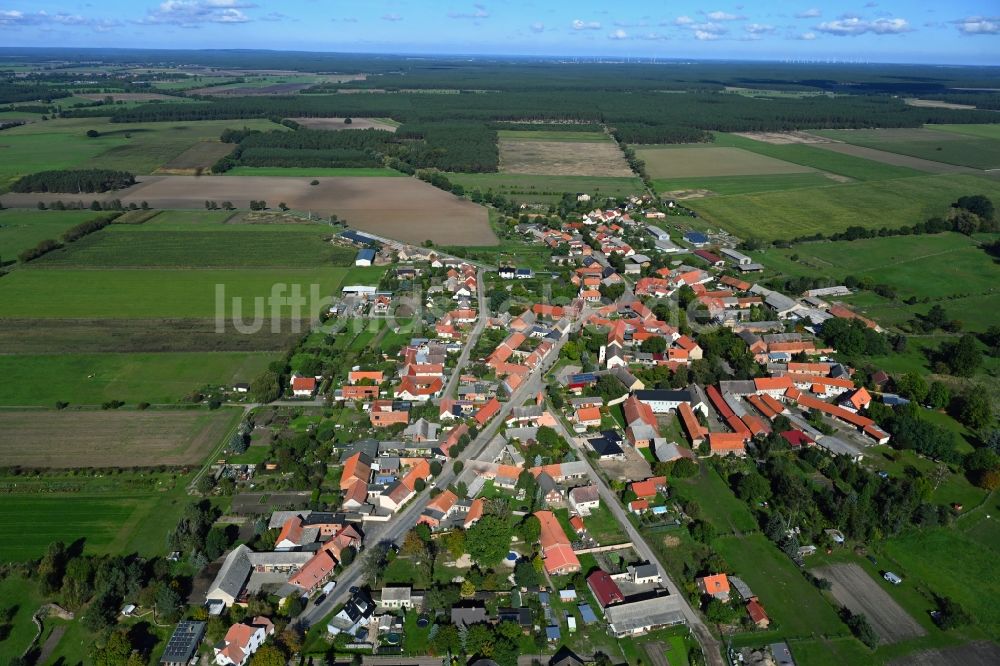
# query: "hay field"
336,124
405,209
563,158
72,439
663,162
23,229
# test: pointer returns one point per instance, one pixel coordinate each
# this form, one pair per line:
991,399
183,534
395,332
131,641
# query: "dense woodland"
74,181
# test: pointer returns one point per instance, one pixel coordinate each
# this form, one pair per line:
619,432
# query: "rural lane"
710,646
470,342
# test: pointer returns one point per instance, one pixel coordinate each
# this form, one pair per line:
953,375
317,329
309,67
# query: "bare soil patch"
126,97
199,157
336,124
894,159
854,588
70,439
81,336
633,468
980,653
936,104
782,138
405,209
680,195
562,158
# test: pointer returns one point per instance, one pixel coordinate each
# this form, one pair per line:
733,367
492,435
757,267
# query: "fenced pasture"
563,158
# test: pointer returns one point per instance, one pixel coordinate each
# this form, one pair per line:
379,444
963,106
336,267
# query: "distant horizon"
918,32
608,58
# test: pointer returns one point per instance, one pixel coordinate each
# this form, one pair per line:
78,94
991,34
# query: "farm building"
365,257
183,643
696,238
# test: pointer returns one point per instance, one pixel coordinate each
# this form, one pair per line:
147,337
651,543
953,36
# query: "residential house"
757,614
557,553
242,640
604,588
303,387
182,647
716,585
584,499
549,489
396,597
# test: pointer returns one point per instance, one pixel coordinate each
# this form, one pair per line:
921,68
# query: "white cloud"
712,28
193,13
537,27
807,36
653,37
979,25
618,34
703,36
683,20
723,16
480,12
14,18
813,12
585,25
759,28
851,26
391,17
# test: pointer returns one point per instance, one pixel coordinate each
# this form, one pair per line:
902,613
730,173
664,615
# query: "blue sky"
957,31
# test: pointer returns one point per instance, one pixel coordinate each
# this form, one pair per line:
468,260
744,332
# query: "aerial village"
519,441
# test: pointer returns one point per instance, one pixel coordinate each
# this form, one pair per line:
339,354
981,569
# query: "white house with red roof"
242,640
304,387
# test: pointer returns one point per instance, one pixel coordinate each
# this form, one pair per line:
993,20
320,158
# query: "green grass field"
23,229
802,212
718,504
91,379
982,131
959,562
25,597
106,512
710,160
958,267
137,147
978,151
553,135
744,184
125,293
230,246
306,172
796,607
856,168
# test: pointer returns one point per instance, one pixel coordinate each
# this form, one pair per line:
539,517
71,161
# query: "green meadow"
23,229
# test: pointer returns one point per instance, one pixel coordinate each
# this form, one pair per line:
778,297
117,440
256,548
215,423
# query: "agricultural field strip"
685,161
562,158
72,439
854,588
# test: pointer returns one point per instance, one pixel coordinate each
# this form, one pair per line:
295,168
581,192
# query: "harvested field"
265,503
126,97
338,124
71,439
895,159
782,138
980,653
854,588
563,158
201,155
936,104
406,209
705,160
84,336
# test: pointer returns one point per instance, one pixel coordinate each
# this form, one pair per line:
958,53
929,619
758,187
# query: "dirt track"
406,209
854,588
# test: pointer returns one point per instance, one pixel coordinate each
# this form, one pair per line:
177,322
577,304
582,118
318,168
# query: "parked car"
892,578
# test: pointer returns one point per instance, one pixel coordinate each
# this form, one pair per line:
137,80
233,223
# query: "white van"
892,578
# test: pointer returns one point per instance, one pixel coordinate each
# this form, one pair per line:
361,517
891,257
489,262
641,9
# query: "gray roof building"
183,643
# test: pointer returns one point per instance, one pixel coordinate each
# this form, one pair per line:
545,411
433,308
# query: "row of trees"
74,180
71,235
